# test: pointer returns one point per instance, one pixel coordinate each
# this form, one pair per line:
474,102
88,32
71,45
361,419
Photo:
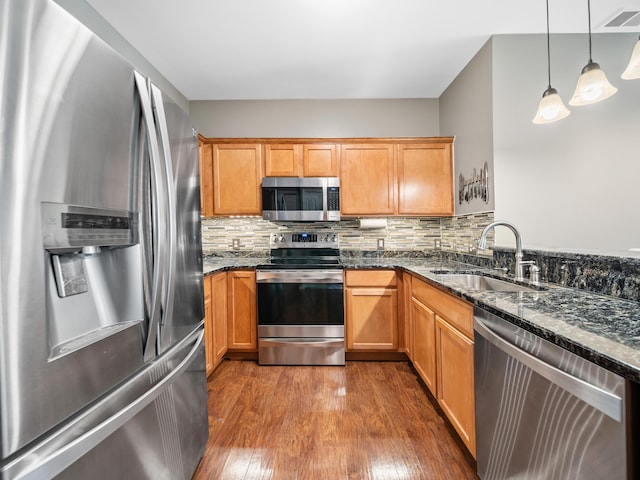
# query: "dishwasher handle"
603,401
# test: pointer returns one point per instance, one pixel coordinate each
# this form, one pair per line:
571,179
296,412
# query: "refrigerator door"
183,299
152,427
68,133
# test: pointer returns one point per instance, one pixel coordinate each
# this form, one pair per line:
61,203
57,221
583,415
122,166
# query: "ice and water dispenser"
94,280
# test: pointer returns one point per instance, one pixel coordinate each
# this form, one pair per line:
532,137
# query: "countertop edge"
425,273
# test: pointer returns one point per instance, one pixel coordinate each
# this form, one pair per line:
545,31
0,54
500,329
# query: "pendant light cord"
548,48
589,16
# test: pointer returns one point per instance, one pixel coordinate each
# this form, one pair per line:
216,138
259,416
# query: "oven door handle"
299,276
303,342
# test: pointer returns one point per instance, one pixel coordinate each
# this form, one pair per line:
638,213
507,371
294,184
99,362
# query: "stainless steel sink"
480,282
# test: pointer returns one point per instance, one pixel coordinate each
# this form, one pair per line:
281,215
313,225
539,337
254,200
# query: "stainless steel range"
301,301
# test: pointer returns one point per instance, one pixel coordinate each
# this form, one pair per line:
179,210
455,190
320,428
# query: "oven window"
300,304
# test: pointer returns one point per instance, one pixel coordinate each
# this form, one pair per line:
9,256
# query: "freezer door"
183,300
153,427
68,130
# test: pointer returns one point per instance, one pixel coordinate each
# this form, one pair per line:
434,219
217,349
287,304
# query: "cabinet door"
241,310
367,179
455,380
320,160
282,160
208,326
371,318
425,179
405,315
219,321
424,351
237,174
206,178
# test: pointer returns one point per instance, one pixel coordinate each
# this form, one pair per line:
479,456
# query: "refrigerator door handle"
159,225
62,458
172,222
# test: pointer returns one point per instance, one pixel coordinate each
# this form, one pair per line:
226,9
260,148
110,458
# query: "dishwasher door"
543,412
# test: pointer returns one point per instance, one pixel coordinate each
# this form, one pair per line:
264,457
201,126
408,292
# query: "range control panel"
304,240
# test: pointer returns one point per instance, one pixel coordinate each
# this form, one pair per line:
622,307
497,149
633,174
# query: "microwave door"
288,199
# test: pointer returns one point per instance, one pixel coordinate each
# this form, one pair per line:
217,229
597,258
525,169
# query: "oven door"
300,317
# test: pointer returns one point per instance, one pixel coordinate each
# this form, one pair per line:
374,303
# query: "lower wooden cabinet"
371,310
241,311
219,307
208,325
424,351
455,380
405,319
215,319
443,354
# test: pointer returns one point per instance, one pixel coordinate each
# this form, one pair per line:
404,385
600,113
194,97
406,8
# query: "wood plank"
367,420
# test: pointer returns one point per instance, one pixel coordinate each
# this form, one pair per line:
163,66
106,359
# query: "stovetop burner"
303,250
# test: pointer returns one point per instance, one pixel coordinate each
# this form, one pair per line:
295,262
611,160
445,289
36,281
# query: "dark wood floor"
367,420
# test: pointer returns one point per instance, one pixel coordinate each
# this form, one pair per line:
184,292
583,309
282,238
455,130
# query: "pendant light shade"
550,108
593,85
633,69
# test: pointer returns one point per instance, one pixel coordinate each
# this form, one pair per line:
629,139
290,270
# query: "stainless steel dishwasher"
543,412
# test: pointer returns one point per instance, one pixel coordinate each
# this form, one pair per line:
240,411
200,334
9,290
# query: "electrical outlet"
381,244
235,243
437,244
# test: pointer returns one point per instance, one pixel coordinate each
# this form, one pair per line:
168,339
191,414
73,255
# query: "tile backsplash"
400,234
618,277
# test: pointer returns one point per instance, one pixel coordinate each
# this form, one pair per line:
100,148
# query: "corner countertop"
600,328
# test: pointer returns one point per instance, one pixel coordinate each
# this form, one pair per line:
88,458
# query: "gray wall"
466,113
571,185
316,118
90,18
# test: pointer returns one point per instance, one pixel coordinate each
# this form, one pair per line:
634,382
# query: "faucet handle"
534,271
534,274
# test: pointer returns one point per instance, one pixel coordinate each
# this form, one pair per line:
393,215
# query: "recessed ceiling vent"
621,21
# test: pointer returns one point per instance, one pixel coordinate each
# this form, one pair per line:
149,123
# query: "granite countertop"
600,328
220,264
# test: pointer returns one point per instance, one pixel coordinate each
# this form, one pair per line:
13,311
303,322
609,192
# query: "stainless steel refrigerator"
102,371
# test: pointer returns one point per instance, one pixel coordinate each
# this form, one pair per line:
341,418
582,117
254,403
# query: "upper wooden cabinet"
367,179
300,160
205,151
320,160
378,176
282,160
425,179
237,175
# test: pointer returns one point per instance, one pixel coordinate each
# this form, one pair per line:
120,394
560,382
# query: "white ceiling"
331,49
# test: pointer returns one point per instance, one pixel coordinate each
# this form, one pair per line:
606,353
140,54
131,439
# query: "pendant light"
593,85
633,69
550,109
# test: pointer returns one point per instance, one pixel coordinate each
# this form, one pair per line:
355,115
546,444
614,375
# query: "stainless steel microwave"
297,199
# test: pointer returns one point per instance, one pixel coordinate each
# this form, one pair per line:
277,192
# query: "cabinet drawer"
457,312
370,278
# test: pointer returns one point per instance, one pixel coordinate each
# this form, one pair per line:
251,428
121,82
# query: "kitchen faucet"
482,245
